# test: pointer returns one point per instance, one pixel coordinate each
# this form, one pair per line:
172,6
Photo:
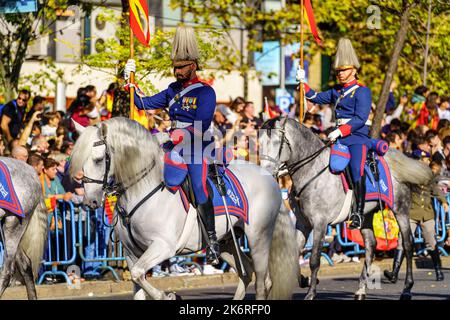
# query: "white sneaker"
159,274
176,270
337,258
355,259
209,269
345,258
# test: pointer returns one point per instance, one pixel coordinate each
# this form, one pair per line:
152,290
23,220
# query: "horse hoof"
173,296
360,297
406,296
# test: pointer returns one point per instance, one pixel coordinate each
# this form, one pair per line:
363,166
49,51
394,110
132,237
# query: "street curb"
92,289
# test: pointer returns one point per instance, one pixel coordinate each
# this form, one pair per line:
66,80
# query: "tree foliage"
153,60
19,30
353,19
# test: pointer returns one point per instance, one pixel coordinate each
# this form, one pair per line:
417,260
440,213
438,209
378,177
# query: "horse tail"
35,237
408,170
283,258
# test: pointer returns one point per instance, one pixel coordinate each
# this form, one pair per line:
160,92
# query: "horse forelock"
82,149
131,145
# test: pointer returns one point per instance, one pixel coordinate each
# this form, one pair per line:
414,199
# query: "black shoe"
206,211
435,257
392,276
360,194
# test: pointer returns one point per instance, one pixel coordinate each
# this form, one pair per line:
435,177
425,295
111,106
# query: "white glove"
301,76
130,67
334,135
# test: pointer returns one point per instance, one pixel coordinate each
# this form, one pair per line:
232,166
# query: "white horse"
24,237
157,226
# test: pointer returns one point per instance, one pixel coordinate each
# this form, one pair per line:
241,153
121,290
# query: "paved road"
334,288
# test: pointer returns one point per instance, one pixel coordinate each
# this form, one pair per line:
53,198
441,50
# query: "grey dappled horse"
122,150
285,141
24,238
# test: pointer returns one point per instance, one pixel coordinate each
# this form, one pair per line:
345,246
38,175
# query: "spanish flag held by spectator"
110,204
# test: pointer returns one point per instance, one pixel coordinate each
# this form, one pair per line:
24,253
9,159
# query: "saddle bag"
339,158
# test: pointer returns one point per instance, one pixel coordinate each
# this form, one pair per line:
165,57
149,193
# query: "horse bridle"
283,140
108,189
103,182
293,167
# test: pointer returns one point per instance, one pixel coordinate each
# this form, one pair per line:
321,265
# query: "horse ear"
103,130
80,129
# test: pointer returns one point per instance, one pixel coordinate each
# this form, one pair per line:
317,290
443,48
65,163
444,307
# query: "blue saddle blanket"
385,183
8,196
236,199
175,172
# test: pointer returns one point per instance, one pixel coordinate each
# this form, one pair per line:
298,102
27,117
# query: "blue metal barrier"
101,248
61,242
344,242
97,249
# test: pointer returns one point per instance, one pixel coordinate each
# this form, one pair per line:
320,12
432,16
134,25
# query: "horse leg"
314,260
156,253
139,293
370,245
407,241
13,232
302,235
23,264
228,254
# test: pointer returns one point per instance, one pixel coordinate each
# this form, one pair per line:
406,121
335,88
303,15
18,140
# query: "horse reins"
292,168
119,190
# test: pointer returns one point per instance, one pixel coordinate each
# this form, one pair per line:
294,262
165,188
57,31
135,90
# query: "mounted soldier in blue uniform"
352,103
191,105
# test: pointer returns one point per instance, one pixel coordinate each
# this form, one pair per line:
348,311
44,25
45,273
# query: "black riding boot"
206,211
435,256
360,194
392,276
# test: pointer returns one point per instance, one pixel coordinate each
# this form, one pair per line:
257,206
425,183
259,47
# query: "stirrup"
355,221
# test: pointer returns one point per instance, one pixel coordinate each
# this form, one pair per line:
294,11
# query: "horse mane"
308,135
131,145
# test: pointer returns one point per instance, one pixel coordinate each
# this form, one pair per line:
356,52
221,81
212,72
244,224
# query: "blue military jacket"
351,101
197,105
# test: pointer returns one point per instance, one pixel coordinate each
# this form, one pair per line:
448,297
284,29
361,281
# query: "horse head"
92,156
275,147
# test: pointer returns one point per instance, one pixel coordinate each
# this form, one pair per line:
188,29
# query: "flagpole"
301,96
132,75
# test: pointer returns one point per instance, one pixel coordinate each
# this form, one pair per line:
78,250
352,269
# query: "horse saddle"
176,178
376,171
8,196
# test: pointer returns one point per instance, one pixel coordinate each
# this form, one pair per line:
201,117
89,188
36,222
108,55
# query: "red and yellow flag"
140,116
139,21
311,21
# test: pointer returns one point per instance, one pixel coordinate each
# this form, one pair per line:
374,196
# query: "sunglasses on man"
183,66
